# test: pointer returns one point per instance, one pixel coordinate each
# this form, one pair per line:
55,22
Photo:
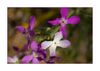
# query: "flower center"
63,21
55,43
35,54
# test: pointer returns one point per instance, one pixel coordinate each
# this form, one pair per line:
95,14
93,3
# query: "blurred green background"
79,35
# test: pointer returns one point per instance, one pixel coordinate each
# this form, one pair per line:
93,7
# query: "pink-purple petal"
64,43
64,12
34,45
74,20
31,22
55,22
20,29
27,59
64,31
35,61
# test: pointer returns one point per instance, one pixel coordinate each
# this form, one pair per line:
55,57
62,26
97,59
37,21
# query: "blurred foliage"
80,35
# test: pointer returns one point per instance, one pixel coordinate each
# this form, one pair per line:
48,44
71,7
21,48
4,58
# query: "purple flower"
30,58
28,30
37,55
64,20
52,45
36,48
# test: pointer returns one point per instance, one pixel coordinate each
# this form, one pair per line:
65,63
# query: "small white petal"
10,59
46,44
64,43
58,36
52,51
13,60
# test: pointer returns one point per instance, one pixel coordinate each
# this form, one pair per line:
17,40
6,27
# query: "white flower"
13,59
52,45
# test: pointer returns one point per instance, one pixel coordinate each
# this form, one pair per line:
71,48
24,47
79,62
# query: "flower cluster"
37,52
